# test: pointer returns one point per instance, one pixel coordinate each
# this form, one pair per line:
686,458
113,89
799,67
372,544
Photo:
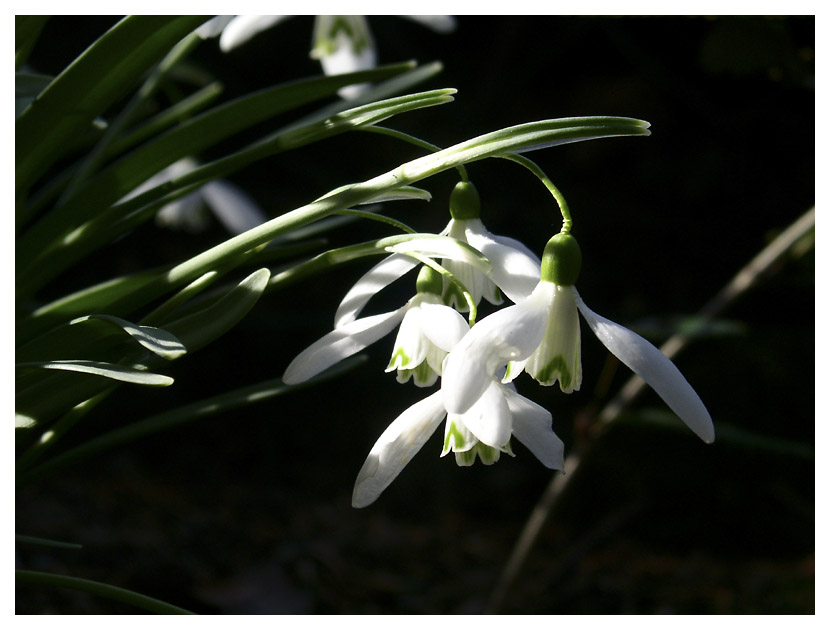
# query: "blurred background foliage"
248,512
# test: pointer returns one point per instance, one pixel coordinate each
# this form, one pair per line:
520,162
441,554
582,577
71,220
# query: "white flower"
484,430
514,271
428,330
230,205
541,336
342,43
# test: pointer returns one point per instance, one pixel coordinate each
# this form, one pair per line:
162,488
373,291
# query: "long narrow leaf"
102,590
106,370
199,329
99,337
26,32
175,418
94,81
190,138
104,227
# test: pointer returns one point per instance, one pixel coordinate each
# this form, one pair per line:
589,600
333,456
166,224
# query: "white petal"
384,273
340,343
174,170
532,427
655,369
489,418
516,269
396,446
214,26
344,59
234,208
438,23
436,247
510,334
443,326
410,347
186,213
244,27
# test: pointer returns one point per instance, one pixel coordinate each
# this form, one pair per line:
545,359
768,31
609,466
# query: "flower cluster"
538,334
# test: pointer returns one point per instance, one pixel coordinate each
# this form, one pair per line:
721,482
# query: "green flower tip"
464,202
429,281
562,260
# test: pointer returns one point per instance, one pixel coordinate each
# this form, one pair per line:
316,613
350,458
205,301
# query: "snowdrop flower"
515,269
541,335
342,43
428,330
483,431
230,205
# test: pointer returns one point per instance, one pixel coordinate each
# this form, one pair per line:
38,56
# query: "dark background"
249,511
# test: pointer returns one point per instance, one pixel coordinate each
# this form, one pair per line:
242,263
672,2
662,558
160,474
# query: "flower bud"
429,281
464,202
562,260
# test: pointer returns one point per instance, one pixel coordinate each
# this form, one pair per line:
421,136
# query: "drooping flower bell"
428,330
514,270
541,336
515,267
483,431
341,43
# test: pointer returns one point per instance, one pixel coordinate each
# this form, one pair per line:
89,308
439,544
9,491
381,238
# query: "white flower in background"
342,43
428,330
541,335
514,271
229,204
483,431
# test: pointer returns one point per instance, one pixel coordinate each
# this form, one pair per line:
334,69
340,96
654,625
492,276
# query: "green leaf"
27,87
89,85
102,590
26,32
104,227
156,340
46,542
106,370
197,330
175,418
99,337
94,299
189,138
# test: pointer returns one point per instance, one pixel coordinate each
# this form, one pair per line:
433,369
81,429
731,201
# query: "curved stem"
400,135
534,168
363,214
444,272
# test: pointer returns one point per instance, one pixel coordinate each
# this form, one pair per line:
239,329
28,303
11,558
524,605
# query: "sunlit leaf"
106,370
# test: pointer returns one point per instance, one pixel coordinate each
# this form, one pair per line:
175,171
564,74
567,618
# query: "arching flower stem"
467,296
534,168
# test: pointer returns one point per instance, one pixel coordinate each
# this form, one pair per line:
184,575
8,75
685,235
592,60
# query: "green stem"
403,227
534,168
95,157
444,272
400,135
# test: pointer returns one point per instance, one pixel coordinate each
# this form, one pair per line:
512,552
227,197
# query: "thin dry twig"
740,283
